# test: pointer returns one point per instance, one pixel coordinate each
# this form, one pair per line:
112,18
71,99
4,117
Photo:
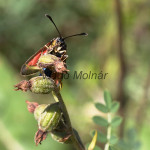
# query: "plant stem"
108,131
76,142
121,94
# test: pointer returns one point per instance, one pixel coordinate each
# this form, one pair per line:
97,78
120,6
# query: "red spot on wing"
44,51
34,60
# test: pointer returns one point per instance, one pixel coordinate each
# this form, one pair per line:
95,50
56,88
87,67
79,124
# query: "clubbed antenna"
50,18
85,34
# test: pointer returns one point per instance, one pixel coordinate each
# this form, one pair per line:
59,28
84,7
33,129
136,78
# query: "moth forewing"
29,70
30,66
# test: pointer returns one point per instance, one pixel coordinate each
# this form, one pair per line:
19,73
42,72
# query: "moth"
56,47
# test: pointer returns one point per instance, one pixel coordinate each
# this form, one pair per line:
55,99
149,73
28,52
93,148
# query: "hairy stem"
76,142
108,132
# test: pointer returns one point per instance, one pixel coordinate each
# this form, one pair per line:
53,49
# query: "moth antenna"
50,18
85,34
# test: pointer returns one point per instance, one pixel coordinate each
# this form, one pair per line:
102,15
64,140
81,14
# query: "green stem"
76,142
108,131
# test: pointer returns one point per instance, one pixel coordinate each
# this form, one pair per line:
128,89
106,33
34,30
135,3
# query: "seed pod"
40,85
61,136
47,60
52,62
39,110
49,118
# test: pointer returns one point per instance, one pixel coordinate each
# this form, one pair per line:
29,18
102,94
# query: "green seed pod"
40,85
61,136
39,110
50,117
47,60
53,62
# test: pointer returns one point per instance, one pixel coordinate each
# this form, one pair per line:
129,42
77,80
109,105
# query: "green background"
24,30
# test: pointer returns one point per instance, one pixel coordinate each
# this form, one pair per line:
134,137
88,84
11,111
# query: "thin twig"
78,144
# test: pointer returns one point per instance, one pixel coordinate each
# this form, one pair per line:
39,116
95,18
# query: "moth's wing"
29,70
30,66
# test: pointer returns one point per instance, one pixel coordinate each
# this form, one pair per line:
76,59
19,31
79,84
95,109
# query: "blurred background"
118,43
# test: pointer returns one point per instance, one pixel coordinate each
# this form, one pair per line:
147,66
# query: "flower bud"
49,117
40,85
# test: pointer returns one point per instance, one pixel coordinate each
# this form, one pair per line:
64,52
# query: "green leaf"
113,140
97,148
115,106
100,121
93,142
107,99
116,121
101,107
112,148
102,137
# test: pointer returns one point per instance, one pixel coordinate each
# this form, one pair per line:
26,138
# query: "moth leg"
64,57
61,52
46,46
49,48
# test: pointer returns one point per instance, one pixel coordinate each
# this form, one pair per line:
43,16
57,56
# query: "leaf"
107,99
100,121
101,107
102,137
95,148
123,145
115,106
113,140
116,121
112,148
93,143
